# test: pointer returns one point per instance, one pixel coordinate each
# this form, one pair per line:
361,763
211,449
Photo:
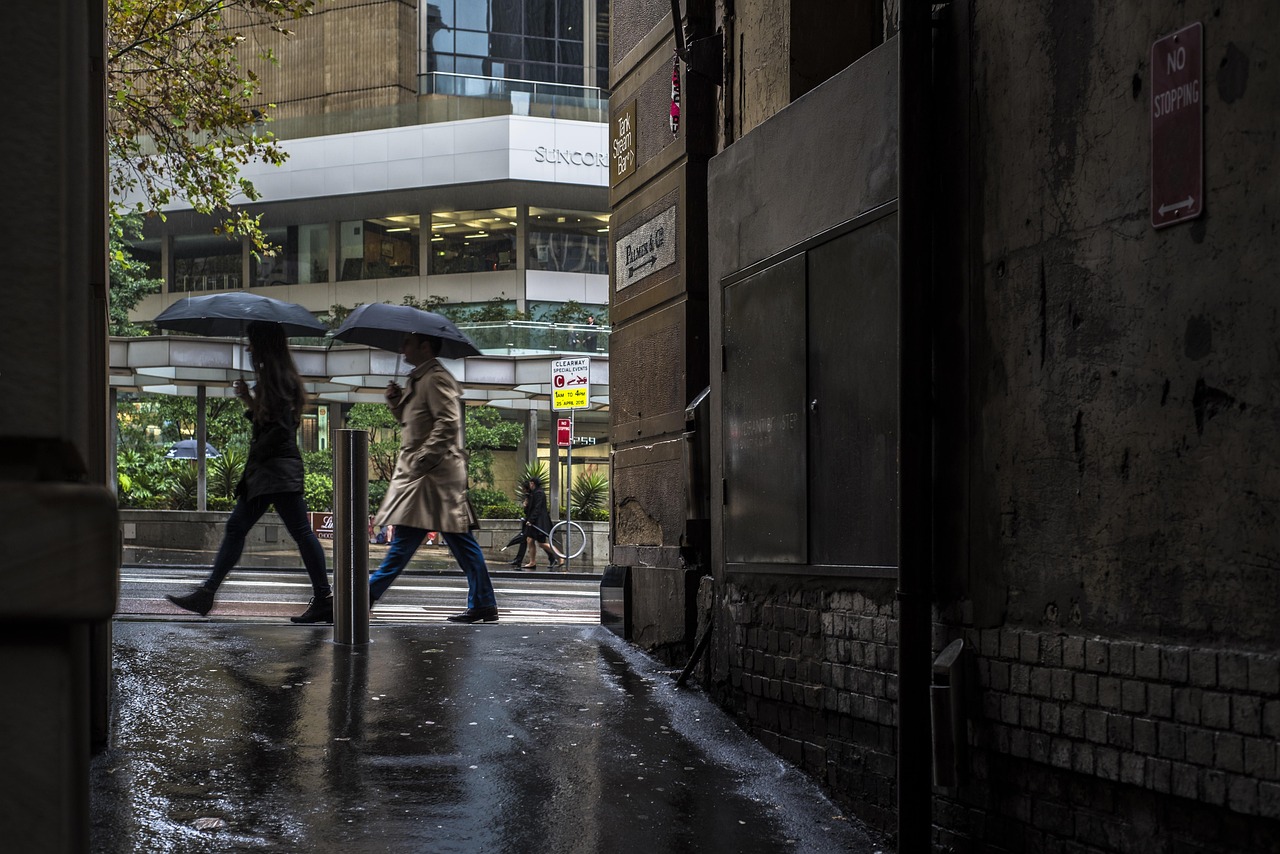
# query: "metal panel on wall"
853,386
765,458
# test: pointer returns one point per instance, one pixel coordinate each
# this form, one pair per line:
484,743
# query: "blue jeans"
463,547
292,510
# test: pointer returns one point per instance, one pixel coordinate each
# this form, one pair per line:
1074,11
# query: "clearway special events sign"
570,383
646,250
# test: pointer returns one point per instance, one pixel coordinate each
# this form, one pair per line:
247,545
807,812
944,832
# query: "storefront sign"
647,249
1177,126
622,144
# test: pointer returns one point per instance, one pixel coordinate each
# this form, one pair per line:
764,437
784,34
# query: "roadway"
416,597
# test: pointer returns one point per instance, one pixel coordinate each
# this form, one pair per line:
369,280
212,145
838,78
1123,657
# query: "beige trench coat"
429,487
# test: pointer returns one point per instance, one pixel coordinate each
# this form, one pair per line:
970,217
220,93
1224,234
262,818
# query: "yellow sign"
569,398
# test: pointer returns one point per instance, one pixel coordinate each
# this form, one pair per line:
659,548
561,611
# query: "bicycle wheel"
568,540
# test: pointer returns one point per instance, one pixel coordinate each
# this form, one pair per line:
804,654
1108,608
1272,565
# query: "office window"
379,248
207,262
301,257
473,241
568,241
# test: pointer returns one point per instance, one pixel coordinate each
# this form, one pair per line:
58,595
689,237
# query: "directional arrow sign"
1177,126
570,383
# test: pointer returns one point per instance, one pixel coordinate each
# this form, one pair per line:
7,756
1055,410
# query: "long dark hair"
279,394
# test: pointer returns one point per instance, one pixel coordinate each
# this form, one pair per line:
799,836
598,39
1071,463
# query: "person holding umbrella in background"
537,524
273,474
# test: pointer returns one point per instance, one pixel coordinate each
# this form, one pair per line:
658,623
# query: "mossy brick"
1086,688
1264,675
1051,718
1029,648
1060,682
1159,775
1133,768
1185,780
1133,697
1271,719
1029,712
1019,678
1146,662
1120,731
1213,788
1204,669
1051,650
1073,653
1260,758
1122,658
1215,710
1199,745
1040,683
1269,800
1160,701
1097,656
1095,726
1246,715
1171,739
1144,736
1233,671
1073,722
1082,758
1060,753
1228,752
1242,795
1107,763
1109,693
1175,664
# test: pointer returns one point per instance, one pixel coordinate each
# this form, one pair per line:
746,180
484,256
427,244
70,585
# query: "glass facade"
568,241
302,257
473,241
207,262
539,40
381,248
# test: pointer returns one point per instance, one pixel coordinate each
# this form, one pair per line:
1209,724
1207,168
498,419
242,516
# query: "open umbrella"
188,448
228,314
384,326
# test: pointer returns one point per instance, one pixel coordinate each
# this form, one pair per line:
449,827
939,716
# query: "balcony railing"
510,97
527,337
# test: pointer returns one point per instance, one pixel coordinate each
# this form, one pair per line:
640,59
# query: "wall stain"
1208,402
1233,74
1164,393
1199,338
1124,465
1077,433
1044,315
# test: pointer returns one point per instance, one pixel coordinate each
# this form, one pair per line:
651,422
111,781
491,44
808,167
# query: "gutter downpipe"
915,470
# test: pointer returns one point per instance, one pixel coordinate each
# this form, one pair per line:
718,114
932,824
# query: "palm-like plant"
536,470
589,494
224,473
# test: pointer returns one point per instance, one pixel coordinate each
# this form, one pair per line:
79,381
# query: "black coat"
536,512
274,464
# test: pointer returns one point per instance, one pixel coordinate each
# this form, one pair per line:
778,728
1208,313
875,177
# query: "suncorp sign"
543,154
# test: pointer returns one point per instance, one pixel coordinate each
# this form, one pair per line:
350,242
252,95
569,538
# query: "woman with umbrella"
537,522
273,474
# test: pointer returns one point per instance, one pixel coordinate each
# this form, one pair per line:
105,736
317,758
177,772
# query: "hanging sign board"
1177,126
622,144
645,250
570,383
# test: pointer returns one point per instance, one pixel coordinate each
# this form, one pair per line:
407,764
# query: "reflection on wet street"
253,737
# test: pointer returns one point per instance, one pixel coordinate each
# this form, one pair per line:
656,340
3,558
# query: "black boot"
198,601
319,611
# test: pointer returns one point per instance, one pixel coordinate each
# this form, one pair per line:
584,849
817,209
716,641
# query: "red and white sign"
1177,126
564,432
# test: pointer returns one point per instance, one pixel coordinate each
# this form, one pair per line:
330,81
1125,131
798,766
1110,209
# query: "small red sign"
564,432
1177,126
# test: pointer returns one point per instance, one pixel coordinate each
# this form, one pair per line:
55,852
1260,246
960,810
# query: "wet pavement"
233,736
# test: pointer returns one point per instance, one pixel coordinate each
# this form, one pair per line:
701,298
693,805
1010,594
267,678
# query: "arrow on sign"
1185,203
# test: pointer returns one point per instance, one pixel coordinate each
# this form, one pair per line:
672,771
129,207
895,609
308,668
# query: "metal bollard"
350,537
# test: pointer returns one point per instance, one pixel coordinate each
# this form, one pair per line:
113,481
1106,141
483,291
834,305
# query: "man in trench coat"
428,491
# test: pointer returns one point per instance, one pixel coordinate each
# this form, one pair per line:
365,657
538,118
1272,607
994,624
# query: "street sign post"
1177,126
570,389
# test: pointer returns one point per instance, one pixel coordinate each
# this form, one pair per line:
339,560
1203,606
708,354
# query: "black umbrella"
228,314
385,326
187,449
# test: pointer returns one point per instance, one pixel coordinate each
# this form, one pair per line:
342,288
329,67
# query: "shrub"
503,510
590,492
317,490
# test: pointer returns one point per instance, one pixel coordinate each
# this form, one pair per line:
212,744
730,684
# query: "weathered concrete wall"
1127,454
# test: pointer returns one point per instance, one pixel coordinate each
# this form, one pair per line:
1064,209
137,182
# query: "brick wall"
1107,744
